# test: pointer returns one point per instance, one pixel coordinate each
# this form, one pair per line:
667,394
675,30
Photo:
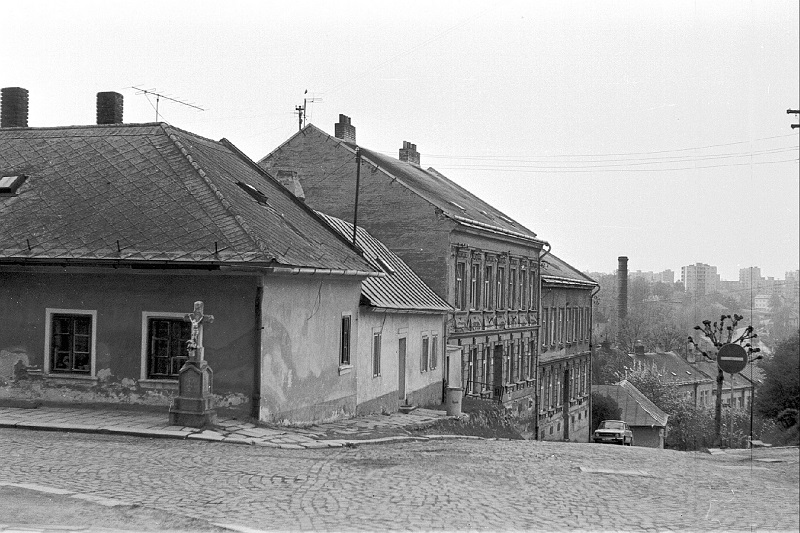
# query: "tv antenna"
159,96
301,109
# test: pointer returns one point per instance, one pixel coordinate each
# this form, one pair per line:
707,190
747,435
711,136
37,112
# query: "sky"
653,130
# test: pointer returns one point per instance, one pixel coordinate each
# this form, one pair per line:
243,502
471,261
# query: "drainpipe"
255,402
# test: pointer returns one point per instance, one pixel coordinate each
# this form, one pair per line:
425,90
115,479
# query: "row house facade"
480,261
564,406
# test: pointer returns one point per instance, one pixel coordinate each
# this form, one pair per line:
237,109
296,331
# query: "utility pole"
793,112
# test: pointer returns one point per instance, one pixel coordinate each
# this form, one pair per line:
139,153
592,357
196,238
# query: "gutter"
496,229
324,272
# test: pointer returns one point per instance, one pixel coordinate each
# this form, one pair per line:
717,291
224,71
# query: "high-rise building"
699,279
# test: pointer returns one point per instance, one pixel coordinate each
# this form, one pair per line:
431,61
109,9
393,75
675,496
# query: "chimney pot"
344,130
109,108
409,154
13,107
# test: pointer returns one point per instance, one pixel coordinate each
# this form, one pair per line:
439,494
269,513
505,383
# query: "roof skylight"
10,184
257,195
458,206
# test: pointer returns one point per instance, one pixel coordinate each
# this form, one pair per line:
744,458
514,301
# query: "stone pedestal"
194,406
453,406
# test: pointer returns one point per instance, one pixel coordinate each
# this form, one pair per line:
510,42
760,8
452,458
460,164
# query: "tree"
604,408
718,334
781,388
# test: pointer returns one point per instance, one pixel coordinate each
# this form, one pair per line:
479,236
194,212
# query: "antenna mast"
301,109
159,96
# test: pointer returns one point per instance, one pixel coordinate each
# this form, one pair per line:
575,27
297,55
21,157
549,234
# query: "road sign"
732,358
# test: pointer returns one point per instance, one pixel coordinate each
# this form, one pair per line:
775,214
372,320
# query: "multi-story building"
565,358
699,279
482,262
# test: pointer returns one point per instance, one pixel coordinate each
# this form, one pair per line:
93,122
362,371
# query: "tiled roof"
672,367
556,271
740,380
455,202
152,193
637,409
401,289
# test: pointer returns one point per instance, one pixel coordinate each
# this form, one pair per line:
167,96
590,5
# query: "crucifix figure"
195,342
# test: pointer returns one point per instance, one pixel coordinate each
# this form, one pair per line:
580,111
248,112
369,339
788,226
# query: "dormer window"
10,184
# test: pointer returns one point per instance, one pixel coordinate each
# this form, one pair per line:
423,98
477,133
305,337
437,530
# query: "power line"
565,170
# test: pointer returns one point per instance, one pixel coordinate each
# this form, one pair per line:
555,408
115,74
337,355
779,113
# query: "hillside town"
321,334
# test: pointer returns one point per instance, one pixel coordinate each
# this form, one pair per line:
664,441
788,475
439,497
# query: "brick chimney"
109,108
622,287
344,130
288,178
409,154
13,107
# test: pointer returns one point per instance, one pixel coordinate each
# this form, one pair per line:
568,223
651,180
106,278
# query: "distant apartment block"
700,278
666,276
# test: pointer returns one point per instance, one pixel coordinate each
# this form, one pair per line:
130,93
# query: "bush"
604,408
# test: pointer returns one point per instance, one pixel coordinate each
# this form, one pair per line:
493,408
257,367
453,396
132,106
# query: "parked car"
615,431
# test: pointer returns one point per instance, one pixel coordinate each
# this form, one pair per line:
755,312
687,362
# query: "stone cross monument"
194,405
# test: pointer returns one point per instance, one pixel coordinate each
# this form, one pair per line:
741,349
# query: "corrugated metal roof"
401,289
152,193
556,271
637,409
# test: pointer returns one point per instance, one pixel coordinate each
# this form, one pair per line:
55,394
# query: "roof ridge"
647,404
217,192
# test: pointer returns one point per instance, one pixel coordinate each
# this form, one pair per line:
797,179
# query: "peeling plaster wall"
301,379
394,326
119,297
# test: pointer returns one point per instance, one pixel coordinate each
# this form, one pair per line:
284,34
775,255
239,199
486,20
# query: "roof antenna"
301,109
159,96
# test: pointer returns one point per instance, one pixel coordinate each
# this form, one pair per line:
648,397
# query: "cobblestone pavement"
452,485
374,428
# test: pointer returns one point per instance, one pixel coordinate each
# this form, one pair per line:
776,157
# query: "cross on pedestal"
194,405
195,342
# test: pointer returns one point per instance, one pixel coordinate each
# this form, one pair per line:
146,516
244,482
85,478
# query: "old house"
110,232
475,257
565,356
401,324
690,381
647,422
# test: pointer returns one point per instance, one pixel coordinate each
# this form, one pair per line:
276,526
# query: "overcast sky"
653,130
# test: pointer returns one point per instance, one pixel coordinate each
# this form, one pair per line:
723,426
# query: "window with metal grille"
71,344
167,350
344,345
376,354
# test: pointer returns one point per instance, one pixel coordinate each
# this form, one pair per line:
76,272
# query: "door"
497,376
401,369
565,402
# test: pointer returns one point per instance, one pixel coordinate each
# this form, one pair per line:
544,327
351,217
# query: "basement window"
257,195
10,184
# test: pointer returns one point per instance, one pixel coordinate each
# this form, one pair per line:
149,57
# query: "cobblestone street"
454,484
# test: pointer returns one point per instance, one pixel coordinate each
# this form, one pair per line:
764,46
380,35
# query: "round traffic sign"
732,358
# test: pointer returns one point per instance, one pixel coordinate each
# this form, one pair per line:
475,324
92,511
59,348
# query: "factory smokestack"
622,287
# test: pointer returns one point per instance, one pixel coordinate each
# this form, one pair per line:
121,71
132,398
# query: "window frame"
461,286
488,286
475,286
48,370
500,280
145,335
377,339
346,341
434,357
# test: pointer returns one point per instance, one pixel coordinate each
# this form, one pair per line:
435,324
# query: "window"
512,288
552,326
543,327
560,330
376,353
167,350
501,288
461,287
70,341
475,287
533,291
523,288
472,386
568,325
10,184
488,287
425,354
518,366
344,345
434,351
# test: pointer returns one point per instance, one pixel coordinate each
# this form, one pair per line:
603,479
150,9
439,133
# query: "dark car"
615,431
